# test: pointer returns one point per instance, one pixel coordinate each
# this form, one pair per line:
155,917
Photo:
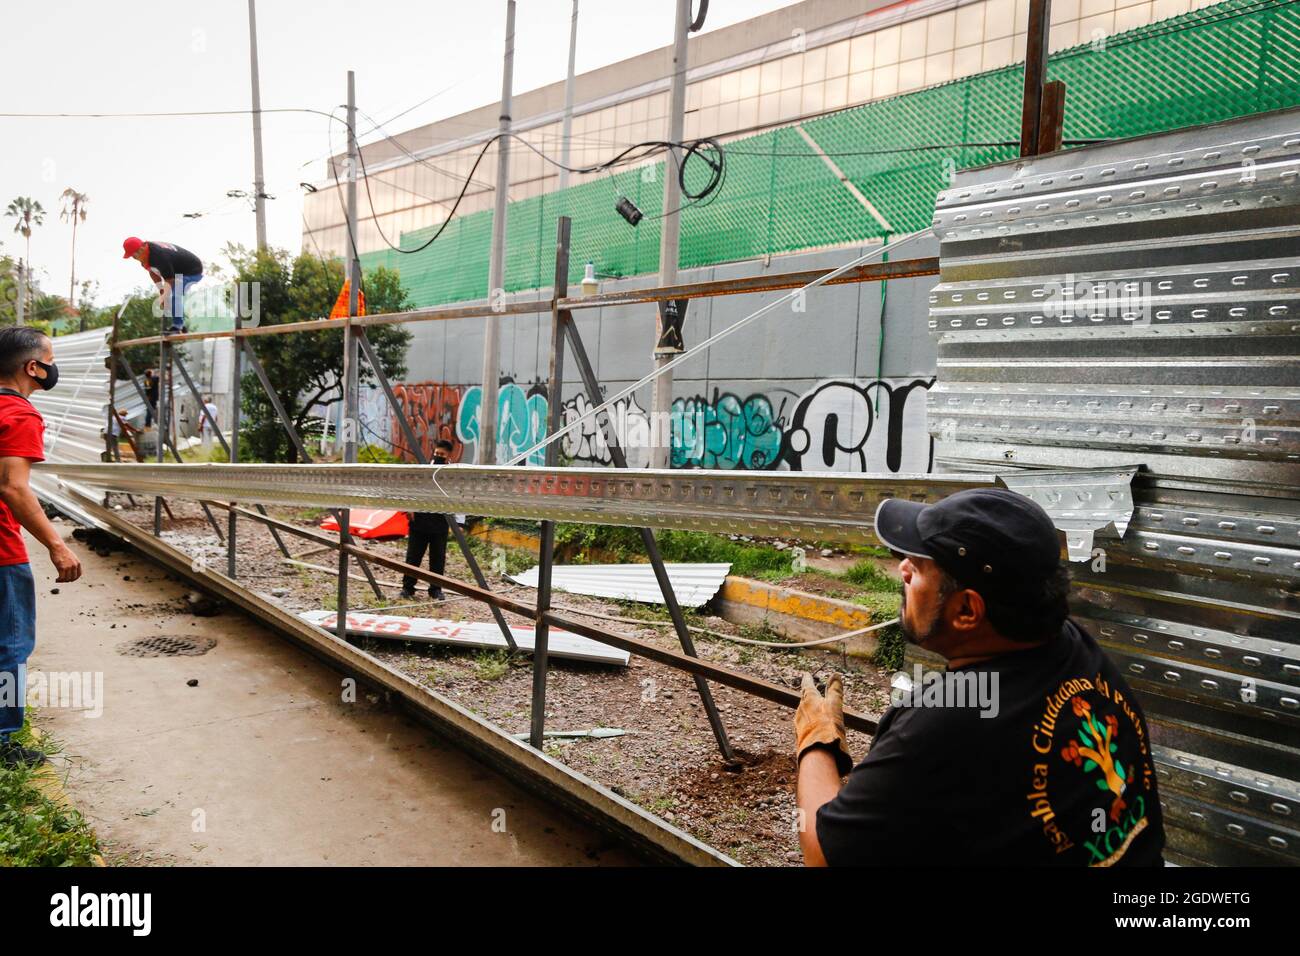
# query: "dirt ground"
668,761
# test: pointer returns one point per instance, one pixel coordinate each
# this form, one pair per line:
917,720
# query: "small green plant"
35,830
491,665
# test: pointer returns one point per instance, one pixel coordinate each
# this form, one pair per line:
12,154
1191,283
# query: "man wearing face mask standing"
428,531
1028,749
26,364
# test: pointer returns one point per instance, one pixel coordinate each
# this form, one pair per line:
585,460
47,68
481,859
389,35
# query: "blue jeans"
179,285
17,639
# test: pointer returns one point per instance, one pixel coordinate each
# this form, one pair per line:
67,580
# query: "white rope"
785,645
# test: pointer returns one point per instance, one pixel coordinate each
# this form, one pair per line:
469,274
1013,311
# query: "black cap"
991,540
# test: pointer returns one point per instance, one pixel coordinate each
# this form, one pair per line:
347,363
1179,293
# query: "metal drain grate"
167,645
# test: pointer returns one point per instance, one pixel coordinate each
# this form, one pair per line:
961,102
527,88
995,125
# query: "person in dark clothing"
1029,749
172,270
428,531
151,394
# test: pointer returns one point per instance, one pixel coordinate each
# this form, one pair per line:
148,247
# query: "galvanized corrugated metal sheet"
694,584
74,411
1138,303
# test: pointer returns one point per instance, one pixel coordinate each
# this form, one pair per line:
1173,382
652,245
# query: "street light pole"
566,129
487,416
661,398
259,182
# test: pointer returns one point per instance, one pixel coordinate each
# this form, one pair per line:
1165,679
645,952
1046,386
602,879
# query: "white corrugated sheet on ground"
423,630
694,584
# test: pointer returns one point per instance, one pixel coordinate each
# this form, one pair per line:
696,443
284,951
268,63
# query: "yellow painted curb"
844,615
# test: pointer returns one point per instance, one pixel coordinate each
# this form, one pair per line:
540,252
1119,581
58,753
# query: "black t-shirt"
170,261
1058,773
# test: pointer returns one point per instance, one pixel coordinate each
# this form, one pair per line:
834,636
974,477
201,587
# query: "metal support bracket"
1080,503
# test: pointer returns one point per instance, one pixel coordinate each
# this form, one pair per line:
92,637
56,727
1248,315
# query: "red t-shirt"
22,435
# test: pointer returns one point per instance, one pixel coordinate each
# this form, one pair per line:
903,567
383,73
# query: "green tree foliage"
140,318
307,367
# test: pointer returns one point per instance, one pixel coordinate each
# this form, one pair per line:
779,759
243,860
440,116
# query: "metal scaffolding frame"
564,332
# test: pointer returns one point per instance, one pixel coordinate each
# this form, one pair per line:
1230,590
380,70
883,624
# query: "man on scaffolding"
172,269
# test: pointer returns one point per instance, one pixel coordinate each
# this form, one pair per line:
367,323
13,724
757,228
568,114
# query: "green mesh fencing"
1231,59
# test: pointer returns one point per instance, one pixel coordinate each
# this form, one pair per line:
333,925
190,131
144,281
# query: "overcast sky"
142,175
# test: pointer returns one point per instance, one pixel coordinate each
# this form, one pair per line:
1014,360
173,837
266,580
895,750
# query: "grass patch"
869,574
35,830
376,455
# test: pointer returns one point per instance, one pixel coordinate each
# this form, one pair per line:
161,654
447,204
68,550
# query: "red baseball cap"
131,246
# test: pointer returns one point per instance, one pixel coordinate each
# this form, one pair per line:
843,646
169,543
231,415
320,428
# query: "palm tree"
74,208
29,214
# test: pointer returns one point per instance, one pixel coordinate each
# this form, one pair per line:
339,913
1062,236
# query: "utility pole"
350,424
661,398
259,183
487,416
566,130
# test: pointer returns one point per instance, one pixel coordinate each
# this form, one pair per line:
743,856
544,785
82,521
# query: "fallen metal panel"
694,584
532,768
471,634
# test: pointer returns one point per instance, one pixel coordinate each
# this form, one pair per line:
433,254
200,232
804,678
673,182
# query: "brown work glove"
820,720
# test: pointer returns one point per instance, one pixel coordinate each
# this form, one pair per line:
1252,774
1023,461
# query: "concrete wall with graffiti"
820,383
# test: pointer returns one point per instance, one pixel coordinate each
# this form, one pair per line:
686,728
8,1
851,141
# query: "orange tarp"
367,523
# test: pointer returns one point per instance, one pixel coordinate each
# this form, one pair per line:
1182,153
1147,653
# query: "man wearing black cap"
1029,749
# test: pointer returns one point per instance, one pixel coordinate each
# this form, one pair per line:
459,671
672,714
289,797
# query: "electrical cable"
647,148
177,113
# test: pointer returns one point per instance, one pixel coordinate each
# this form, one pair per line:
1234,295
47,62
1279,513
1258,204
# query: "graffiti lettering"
521,420
837,427
727,432
432,409
587,442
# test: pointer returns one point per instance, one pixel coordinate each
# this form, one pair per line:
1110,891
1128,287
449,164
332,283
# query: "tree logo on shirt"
1084,725
1094,749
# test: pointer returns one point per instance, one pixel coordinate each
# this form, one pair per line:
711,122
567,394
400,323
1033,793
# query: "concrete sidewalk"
262,762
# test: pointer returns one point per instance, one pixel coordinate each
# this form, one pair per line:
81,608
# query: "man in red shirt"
26,364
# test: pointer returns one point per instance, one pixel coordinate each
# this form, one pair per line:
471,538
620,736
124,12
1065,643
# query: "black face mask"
51,375
440,459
